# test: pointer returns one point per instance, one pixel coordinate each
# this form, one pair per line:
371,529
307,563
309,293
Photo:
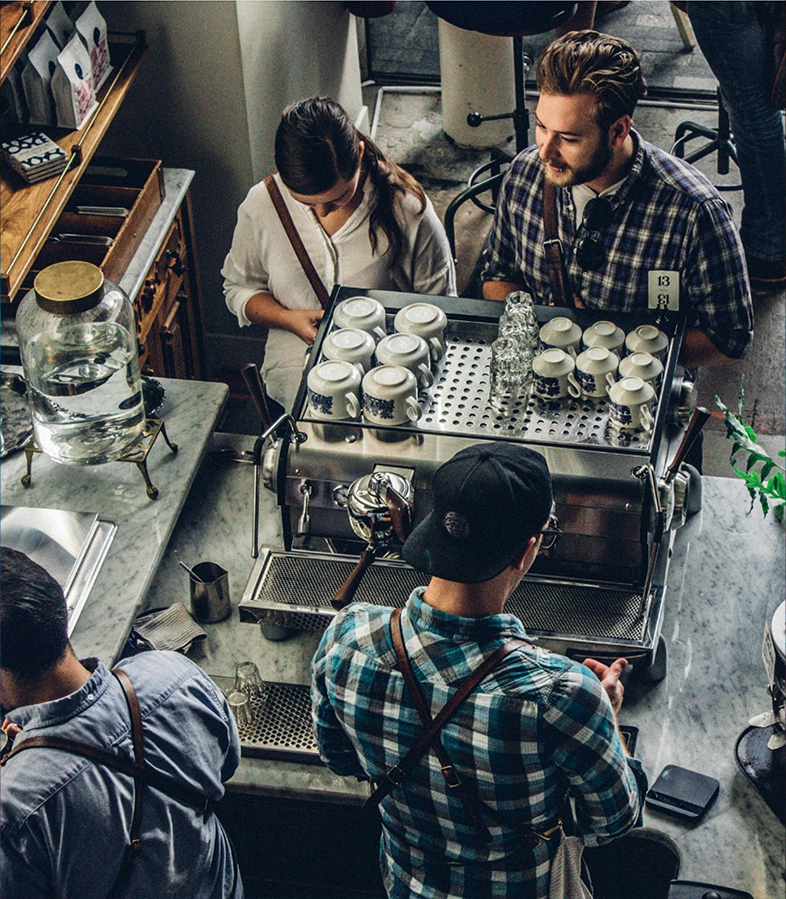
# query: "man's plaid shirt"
666,216
537,726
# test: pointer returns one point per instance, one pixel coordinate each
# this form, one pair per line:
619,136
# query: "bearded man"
633,227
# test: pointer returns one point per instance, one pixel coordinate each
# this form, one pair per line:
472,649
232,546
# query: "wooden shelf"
18,21
30,211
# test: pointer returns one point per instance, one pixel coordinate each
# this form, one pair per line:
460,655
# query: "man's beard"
589,172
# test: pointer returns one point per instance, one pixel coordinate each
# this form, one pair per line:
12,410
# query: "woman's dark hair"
317,144
33,616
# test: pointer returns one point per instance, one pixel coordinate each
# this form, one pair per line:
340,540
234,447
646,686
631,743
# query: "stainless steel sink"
71,546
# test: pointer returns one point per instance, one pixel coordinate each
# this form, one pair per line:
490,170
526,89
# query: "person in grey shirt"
65,818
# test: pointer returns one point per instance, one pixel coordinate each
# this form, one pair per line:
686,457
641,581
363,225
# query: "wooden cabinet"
168,307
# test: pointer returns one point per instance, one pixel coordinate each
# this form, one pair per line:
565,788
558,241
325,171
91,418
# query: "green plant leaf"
763,477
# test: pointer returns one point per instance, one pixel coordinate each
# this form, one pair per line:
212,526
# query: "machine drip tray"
294,590
282,727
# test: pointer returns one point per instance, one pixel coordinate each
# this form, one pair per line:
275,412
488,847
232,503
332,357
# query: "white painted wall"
209,97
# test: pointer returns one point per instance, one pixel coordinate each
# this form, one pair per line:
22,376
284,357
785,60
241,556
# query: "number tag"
663,290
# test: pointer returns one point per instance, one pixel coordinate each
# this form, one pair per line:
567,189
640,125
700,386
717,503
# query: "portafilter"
379,506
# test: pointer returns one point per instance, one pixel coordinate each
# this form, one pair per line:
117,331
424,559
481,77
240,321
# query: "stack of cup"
519,321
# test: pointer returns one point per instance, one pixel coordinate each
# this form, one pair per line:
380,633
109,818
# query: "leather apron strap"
297,244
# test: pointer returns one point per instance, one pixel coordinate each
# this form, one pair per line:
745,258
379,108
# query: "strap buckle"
546,834
553,241
395,775
451,776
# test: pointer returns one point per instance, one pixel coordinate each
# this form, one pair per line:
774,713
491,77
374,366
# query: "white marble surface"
116,491
727,577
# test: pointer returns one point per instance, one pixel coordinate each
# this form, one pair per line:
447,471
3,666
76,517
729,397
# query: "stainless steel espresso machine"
620,497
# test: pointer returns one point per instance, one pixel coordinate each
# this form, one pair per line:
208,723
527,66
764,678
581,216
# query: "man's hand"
11,729
304,323
609,677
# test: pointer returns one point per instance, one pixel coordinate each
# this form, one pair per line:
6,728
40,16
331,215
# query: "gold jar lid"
68,287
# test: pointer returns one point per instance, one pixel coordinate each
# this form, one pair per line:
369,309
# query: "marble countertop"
726,579
116,492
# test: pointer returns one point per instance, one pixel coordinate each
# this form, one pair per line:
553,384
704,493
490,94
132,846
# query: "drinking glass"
241,708
248,681
510,375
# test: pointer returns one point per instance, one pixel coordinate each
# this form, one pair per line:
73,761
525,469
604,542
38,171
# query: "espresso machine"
620,496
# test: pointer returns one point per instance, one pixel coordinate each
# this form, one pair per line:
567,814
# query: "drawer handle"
175,263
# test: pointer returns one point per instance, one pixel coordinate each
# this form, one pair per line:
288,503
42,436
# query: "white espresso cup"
364,313
561,333
630,405
596,368
410,351
390,396
427,321
350,345
606,334
642,365
647,339
553,375
334,391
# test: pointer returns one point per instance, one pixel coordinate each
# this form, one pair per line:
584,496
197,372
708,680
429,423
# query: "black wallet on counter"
682,792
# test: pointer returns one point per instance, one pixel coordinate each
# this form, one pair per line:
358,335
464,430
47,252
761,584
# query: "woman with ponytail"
363,221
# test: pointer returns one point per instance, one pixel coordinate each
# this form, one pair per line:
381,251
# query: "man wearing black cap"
478,813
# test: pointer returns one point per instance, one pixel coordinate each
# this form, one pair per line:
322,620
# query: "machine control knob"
341,495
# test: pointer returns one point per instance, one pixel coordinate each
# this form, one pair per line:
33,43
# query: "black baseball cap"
489,499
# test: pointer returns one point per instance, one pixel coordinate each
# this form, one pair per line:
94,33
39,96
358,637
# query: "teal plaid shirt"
537,727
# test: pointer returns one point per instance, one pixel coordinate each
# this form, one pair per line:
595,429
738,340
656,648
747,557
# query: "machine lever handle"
696,423
346,592
399,511
256,388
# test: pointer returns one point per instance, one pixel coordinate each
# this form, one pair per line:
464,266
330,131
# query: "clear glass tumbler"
249,681
240,705
510,374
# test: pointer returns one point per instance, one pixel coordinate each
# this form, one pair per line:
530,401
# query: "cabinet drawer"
109,241
163,281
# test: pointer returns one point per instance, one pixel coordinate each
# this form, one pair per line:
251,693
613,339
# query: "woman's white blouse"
262,259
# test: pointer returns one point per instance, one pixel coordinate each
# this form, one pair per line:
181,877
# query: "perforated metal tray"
458,402
294,590
282,727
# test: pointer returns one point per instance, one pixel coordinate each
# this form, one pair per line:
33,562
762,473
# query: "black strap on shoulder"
553,245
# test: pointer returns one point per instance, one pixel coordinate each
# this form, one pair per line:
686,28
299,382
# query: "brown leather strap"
297,244
553,246
433,725
135,842
152,778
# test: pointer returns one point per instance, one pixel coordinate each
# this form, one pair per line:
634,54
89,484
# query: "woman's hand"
609,677
304,323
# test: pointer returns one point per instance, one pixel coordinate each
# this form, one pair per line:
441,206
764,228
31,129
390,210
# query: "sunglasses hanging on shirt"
587,249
